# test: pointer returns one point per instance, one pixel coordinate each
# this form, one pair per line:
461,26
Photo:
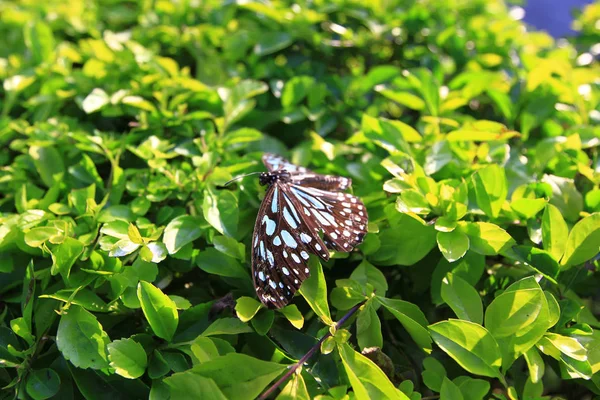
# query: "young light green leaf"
554,232
453,245
583,243
490,189
486,238
227,326
462,298
535,364
314,291
134,234
246,308
160,311
64,255
128,358
81,339
470,345
293,315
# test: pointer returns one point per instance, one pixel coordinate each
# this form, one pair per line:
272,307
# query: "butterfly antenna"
237,178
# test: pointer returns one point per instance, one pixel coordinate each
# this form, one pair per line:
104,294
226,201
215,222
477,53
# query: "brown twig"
310,352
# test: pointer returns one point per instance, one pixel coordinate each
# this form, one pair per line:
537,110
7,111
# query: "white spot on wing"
261,276
296,258
304,255
272,284
305,238
277,241
288,218
288,239
270,225
285,271
275,198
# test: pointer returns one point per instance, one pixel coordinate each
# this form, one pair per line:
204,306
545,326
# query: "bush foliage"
124,262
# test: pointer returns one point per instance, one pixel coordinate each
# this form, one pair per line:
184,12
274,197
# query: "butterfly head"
269,178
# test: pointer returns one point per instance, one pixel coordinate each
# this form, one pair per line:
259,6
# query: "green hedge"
124,262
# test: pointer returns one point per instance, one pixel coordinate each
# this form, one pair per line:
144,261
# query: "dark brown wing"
287,231
305,177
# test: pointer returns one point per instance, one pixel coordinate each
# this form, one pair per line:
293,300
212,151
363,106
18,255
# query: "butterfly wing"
341,216
281,244
305,177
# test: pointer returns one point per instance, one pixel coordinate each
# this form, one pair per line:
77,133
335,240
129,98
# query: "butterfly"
302,213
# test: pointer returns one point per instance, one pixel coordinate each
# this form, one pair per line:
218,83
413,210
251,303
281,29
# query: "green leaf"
407,242
158,251
221,210
263,322
160,311
462,298
295,389
122,248
539,259
295,90
217,263
81,340
238,376
433,373
293,315
554,232
412,318
515,309
48,163
366,379
449,391
230,247
486,238
42,383
470,345
188,385
128,358
314,291
472,389
535,364
134,234
565,196
39,40
226,326
368,327
246,308
181,231
366,273
95,101
64,255
36,236
528,208
490,189
583,243
453,245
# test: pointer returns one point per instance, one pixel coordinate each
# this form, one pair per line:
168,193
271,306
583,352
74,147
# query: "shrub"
124,262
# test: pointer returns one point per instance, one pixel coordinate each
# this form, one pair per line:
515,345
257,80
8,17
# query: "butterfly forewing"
289,225
305,177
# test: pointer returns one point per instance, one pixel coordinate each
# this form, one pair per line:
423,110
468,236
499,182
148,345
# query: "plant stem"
310,352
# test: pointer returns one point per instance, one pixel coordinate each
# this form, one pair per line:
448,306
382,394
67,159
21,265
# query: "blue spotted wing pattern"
301,214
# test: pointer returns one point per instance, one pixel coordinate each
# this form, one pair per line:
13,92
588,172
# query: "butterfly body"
302,213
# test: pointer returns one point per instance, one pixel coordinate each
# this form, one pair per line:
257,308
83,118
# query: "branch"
310,352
